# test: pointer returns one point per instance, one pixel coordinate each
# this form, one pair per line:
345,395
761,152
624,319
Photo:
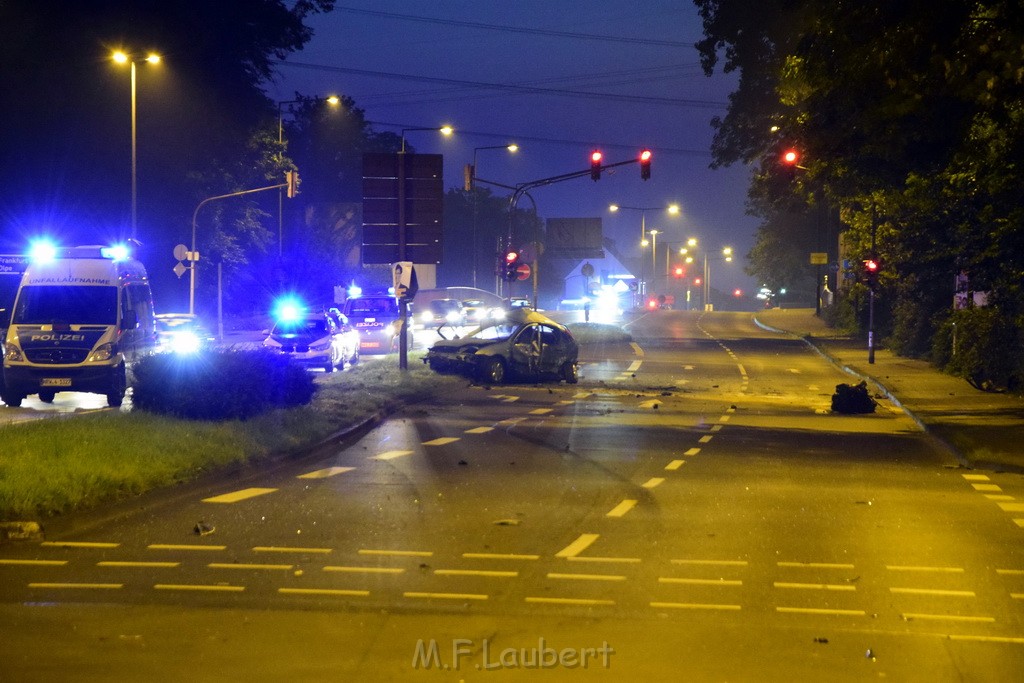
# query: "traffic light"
645,164
871,268
697,282
291,178
680,272
595,165
791,162
511,265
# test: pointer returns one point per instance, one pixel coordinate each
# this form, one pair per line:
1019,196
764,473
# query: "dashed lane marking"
1019,522
397,553
724,418
479,430
240,495
715,428
77,544
815,610
441,441
445,596
36,563
999,496
932,591
713,563
138,565
653,482
242,565
578,546
364,570
324,473
499,556
622,508
976,477
290,549
607,560
693,605
700,582
568,601
489,573
815,565
692,452
986,487
949,617
390,455
815,586
704,439
222,588
340,592
1012,507
177,546
97,586
541,411
586,577
675,465
904,568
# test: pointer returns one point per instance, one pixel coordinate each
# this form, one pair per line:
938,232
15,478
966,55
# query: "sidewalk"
984,430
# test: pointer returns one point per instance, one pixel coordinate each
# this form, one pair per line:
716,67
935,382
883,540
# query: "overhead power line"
534,90
516,29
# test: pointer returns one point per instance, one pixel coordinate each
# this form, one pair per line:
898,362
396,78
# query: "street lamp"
511,147
727,257
671,208
332,100
443,130
124,58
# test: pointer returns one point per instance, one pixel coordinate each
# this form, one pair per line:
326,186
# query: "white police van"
82,314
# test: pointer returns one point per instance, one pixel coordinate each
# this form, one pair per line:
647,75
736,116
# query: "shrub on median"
219,384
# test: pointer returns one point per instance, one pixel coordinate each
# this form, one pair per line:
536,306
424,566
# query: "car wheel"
570,372
494,371
118,387
47,396
13,400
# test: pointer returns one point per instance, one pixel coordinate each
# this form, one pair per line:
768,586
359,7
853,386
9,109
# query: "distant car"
377,318
520,302
442,312
316,340
525,345
181,333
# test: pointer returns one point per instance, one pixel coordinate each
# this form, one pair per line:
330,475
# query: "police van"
81,316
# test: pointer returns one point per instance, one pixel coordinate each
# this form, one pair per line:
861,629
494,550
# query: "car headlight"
185,342
13,353
427,317
103,352
452,317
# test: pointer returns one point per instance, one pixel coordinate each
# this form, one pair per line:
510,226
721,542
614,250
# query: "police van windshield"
363,308
68,305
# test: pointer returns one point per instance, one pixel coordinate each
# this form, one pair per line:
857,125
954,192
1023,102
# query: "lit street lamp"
124,58
671,208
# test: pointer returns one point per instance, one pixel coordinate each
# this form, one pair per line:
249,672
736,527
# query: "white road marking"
240,495
390,455
479,430
621,509
441,441
324,473
578,546
675,465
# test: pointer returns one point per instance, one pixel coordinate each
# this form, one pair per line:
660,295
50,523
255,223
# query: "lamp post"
671,208
511,147
121,58
654,256
403,309
332,100
726,256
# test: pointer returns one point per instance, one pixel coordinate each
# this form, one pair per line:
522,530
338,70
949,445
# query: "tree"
66,157
909,119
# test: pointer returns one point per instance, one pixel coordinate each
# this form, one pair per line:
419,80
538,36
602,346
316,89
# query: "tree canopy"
908,120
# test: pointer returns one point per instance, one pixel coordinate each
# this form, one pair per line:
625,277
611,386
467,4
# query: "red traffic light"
511,257
645,164
680,271
871,265
595,164
697,281
790,157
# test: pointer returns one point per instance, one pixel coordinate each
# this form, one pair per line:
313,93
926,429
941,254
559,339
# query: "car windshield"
68,305
370,307
309,327
498,332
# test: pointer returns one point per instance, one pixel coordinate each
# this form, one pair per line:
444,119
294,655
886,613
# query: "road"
690,511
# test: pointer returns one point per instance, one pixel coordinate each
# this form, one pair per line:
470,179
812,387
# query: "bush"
219,384
984,347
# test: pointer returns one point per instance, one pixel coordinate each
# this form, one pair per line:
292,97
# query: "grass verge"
58,465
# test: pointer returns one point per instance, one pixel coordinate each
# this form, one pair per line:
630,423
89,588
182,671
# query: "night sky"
577,76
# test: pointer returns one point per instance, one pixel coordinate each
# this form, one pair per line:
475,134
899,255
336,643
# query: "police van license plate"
55,382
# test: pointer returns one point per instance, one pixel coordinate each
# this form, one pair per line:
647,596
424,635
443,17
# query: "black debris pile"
853,400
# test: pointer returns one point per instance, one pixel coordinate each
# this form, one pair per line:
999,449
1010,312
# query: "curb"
960,457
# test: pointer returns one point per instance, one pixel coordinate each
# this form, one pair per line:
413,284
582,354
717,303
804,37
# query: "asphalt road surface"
691,510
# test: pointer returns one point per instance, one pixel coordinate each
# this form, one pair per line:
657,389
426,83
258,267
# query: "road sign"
523,271
180,269
403,196
180,252
819,258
